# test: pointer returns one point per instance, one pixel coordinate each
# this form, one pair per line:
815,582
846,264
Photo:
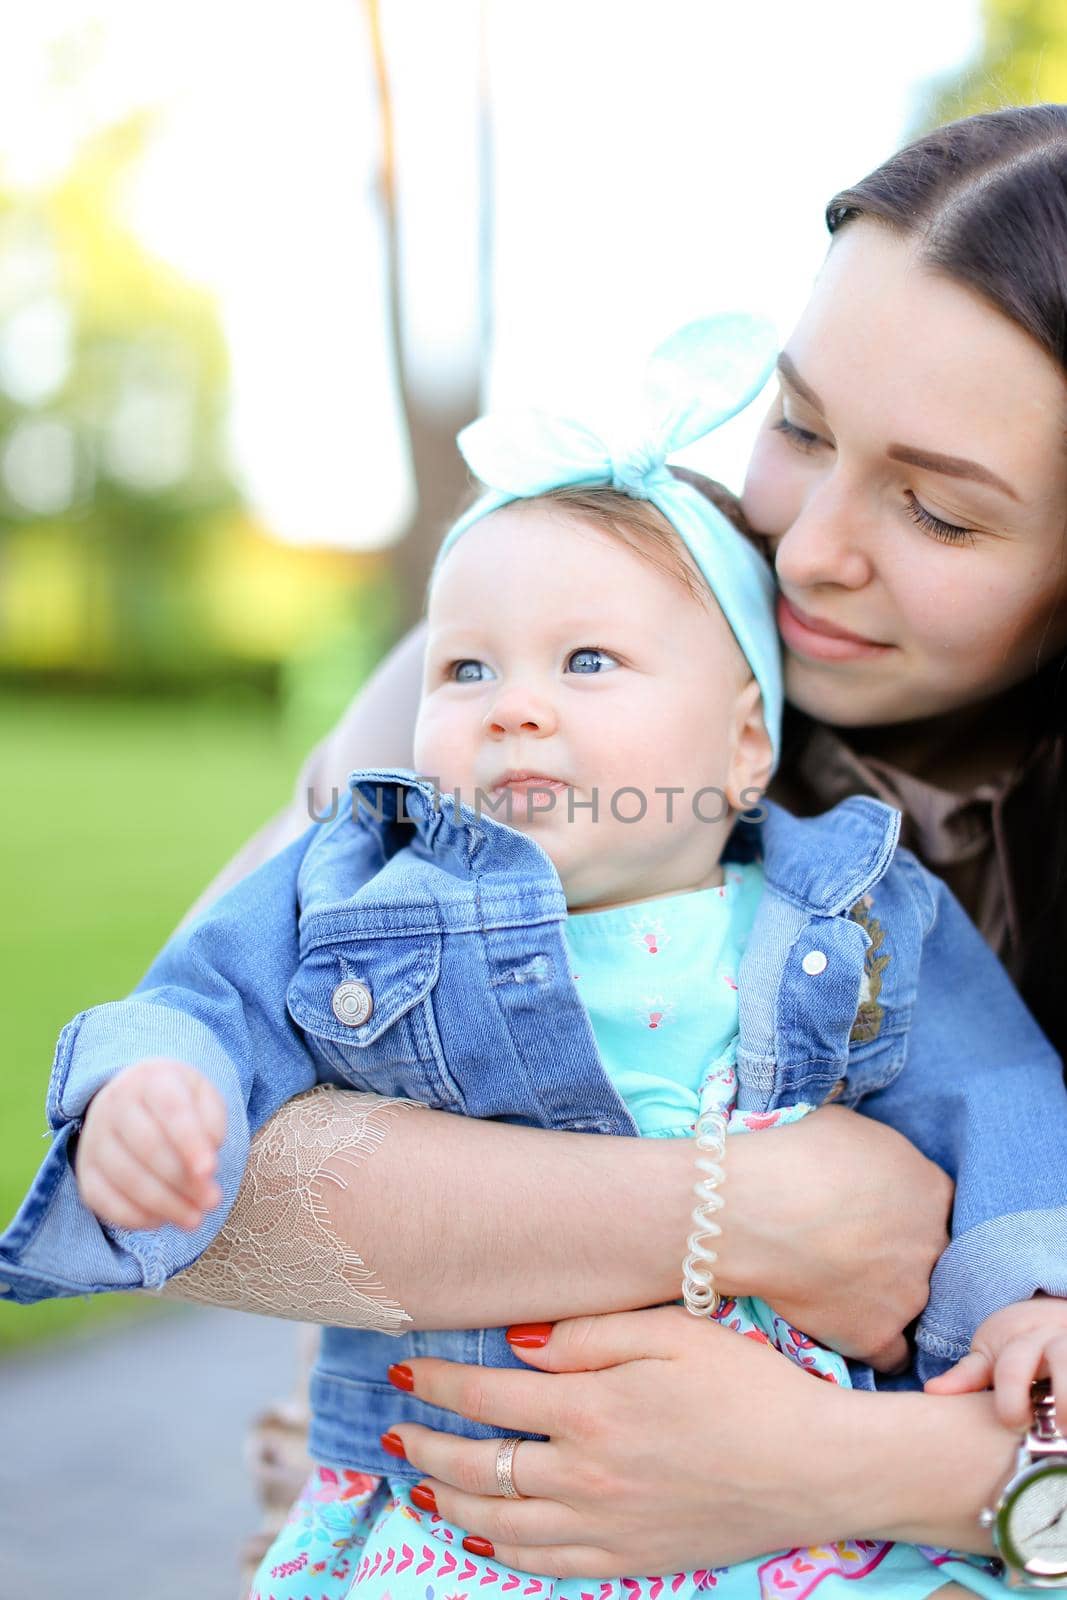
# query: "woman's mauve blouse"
996,845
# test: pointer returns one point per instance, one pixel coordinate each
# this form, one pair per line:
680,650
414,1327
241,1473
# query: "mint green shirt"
659,980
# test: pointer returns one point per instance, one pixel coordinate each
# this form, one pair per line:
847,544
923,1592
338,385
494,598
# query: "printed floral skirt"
350,1534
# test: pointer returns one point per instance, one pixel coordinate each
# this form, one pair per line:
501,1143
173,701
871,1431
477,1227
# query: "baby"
560,919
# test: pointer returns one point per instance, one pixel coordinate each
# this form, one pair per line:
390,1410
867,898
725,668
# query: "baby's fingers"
189,1111
212,1111
1056,1369
106,1202
145,1201
1039,1356
1018,1364
970,1374
149,1143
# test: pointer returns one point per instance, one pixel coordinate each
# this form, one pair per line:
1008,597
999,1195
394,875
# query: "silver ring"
505,1456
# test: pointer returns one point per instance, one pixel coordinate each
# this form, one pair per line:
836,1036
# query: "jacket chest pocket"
872,1066
367,1012
841,1024
879,1036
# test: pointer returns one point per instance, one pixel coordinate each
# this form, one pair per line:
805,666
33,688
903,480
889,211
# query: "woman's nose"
516,711
826,543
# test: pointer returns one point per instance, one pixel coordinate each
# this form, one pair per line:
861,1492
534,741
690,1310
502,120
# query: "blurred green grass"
114,815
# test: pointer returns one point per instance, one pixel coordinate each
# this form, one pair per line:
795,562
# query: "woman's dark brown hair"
987,198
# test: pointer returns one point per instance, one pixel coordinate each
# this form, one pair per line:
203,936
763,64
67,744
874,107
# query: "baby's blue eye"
597,656
458,674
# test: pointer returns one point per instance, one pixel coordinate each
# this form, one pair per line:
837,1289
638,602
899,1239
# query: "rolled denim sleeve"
214,998
982,1094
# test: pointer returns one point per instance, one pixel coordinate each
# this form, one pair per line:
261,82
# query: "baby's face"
558,653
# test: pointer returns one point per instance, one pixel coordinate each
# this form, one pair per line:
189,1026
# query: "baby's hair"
644,529
640,525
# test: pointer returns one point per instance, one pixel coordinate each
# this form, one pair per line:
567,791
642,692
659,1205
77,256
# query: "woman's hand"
676,1443
684,1446
837,1221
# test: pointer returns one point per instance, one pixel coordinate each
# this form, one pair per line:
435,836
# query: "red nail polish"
395,1445
402,1377
530,1335
423,1497
478,1547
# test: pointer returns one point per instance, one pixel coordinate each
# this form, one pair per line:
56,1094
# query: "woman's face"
912,477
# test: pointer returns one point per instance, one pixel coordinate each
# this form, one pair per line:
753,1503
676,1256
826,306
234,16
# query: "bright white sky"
651,164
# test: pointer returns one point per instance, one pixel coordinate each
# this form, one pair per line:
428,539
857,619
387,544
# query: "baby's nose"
524,713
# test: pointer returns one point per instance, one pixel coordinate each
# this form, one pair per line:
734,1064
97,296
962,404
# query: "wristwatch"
1029,1519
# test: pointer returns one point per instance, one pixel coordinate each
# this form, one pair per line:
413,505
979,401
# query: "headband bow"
697,379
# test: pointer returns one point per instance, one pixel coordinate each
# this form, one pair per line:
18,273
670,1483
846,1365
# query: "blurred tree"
126,554
1023,61
113,388
433,418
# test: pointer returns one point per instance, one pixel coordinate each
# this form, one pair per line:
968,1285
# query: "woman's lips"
822,641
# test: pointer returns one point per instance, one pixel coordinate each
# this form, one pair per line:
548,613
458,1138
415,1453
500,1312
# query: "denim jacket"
862,981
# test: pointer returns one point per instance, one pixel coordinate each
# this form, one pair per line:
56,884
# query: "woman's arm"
676,1443
398,1216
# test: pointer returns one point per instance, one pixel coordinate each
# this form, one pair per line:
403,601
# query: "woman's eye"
590,660
458,671
947,532
799,438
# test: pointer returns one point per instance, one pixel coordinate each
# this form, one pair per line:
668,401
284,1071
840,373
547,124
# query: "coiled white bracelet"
698,1277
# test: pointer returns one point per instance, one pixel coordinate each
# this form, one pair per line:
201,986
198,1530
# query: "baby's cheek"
443,754
436,746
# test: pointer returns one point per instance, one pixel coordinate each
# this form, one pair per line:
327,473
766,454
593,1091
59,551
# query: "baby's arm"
1009,1350
149,1146
214,1000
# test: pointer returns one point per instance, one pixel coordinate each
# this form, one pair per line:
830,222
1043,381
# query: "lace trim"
277,1253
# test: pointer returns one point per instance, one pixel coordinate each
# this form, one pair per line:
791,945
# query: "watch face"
1033,1522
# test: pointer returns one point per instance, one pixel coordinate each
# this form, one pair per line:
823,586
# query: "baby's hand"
1009,1350
148,1146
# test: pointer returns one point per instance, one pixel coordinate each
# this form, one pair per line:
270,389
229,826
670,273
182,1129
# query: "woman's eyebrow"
930,460
796,382
951,466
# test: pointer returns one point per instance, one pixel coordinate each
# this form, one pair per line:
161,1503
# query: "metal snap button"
814,963
352,1003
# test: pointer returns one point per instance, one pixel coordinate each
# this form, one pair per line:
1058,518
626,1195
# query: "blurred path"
121,1470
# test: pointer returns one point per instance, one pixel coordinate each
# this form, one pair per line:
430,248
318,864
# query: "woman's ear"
752,756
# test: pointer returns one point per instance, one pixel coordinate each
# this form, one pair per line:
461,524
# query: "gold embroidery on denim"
868,1023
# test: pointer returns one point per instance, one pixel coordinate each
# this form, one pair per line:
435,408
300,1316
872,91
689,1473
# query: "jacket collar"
823,864
401,808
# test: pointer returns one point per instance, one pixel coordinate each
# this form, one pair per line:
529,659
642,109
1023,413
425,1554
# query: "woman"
911,480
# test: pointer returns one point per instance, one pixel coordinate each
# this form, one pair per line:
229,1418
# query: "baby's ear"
752,758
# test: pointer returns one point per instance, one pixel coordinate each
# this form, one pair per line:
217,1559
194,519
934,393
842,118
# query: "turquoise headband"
703,375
